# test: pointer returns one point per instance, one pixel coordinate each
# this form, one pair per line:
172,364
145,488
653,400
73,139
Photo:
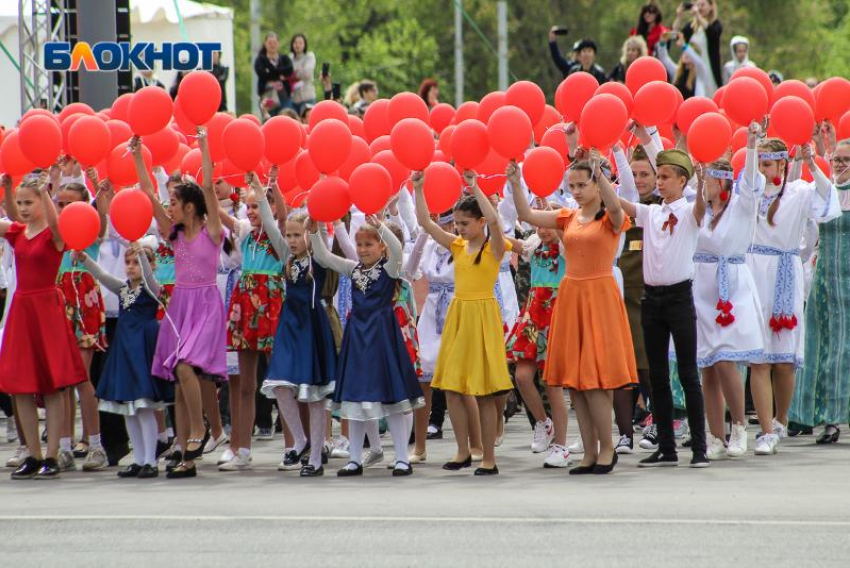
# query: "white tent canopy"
150,20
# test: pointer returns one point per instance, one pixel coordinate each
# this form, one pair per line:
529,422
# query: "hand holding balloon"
512,171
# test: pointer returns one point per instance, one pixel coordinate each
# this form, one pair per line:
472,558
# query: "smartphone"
335,91
562,30
326,69
687,5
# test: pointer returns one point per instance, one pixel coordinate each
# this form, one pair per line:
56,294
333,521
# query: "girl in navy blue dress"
375,377
126,385
302,365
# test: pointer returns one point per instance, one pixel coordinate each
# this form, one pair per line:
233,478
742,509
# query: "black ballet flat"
402,471
583,469
457,466
345,472
174,460
600,469
192,455
49,469
181,472
311,471
148,471
830,435
131,471
487,471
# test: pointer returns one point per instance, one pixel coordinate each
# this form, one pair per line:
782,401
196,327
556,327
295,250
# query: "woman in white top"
304,62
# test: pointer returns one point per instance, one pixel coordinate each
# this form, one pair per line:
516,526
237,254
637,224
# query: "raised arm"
9,204
752,183
148,278
542,219
407,212
214,229
411,267
163,221
277,197
323,256
50,213
494,222
395,256
112,283
443,238
628,207
105,194
344,239
609,196
555,51
699,204
270,226
628,189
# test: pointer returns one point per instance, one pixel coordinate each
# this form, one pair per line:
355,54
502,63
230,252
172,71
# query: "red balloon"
182,121
491,172
509,131
215,135
745,100
573,94
329,200
620,91
643,70
286,178
14,160
556,139
757,74
359,154
296,197
306,173
398,172
444,143
793,87
528,97
550,118
739,139
793,120
465,111
79,225
441,187
355,124
843,127
230,173
329,144
163,145
89,140
709,137
543,171
66,130
244,144
192,165
489,104
35,111
412,143
406,105
603,121
40,139
739,160
75,108
131,214
823,166
282,139
655,103
176,160
375,121
370,186
380,144
469,144
833,99
691,109
439,157
150,111
718,96
122,169
441,116
199,96
103,115
251,117
121,106
119,133
326,110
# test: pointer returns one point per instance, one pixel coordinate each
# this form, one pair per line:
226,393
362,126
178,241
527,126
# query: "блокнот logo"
111,56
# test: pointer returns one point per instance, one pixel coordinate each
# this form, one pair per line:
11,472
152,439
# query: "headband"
720,174
773,155
443,219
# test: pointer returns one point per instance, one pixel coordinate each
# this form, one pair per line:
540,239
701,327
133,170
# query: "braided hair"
776,145
725,185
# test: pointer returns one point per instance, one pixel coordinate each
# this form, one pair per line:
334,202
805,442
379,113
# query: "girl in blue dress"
376,377
126,385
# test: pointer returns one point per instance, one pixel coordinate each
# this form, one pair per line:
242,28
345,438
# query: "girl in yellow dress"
472,358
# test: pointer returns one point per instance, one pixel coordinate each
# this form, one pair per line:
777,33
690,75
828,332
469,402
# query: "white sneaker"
340,449
766,444
737,441
95,460
544,433
373,457
779,429
650,438
19,457
559,456
226,456
214,443
238,463
11,430
65,461
577,447
625,445
716,449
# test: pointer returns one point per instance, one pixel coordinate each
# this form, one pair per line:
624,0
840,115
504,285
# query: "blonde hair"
634,40
712,19
148,253
691,79
352,94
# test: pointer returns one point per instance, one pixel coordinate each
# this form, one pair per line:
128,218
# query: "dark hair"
426,87
365,86
469,206
776,145
725,184
642,26
584,166
191,193
292,43
265,39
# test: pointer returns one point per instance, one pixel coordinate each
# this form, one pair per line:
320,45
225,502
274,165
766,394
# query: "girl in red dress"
39,356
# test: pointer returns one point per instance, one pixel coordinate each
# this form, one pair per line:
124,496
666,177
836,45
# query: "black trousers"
668,311
264,404
438,408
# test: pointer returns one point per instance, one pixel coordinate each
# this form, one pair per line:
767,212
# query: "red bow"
670,223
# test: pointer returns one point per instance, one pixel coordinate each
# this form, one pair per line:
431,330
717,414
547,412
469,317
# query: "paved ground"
792,509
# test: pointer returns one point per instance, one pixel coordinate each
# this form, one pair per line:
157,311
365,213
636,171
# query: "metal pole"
458,52
502,15
255,47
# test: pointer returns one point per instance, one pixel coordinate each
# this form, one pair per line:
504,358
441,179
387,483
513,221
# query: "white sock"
64,444
400,435
374,435
169,432
134,430
408,422
291,415
317,432
147,421
356,433
162,437
94,441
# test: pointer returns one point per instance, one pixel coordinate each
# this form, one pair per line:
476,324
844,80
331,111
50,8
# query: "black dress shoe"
49,469
403,471
131,471
192,455
311,471
457,466
182,471
173,461
28,469
350,472
582,469
487,471
602,469
830,435
438,435
148,471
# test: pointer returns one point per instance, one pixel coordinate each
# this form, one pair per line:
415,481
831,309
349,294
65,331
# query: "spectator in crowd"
304,64
811,82
691,75
740,47
775,77
221,73
633,47
145,78
703,33
368,92
175,86
352,95
430,92
273,71
649,25
584,57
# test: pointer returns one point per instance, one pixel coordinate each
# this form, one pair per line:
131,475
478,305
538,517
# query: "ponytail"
484,244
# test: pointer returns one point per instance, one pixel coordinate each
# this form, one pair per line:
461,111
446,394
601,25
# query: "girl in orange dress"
590,344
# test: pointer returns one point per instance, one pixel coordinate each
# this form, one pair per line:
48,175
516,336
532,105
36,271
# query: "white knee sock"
401,435
134,430
147,421
408,422
289,406
317,432
374,434
356,434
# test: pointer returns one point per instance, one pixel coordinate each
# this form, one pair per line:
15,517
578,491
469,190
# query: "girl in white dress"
774,260
729,316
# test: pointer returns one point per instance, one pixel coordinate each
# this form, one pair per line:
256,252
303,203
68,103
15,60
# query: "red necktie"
670,223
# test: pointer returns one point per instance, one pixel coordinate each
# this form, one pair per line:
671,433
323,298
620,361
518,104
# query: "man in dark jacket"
584,57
